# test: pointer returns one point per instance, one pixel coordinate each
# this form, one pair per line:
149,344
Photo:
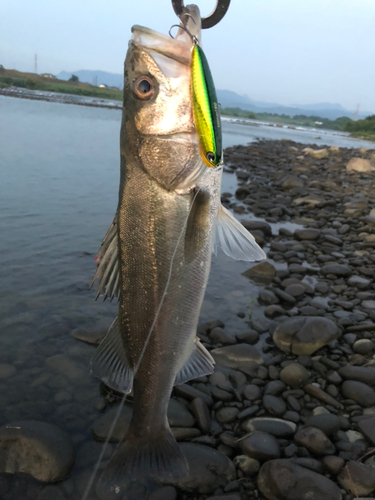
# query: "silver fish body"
157,254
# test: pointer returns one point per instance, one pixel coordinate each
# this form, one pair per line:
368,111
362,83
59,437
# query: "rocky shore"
289,413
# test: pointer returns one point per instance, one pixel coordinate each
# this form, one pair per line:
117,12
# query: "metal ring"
209,21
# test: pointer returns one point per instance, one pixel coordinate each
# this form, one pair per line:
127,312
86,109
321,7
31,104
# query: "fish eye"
210,157
143,88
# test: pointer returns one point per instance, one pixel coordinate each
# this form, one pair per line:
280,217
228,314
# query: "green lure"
206,109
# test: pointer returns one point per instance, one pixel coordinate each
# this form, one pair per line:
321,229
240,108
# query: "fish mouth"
177,48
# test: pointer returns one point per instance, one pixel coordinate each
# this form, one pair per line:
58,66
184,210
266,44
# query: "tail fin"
158,457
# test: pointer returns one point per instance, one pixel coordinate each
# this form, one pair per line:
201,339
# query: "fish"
156,255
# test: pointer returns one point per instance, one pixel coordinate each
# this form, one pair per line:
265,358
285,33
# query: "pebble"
201,412
294,375
283,479
326,422
244,357
40,449
315,441
248,465
251,392
276,426
367,427
274,405
260,445
360,373
305,335
218,335
359,392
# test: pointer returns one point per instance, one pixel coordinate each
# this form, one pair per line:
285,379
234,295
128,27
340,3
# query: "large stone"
208,469
241,357
315,441
359,165
305,335
359,392
263,272
284,480
357,478
37,448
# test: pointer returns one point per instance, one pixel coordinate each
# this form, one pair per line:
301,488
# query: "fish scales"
156,256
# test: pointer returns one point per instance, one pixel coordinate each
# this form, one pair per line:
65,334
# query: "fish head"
158,124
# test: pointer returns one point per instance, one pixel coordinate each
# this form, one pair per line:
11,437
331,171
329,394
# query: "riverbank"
290,409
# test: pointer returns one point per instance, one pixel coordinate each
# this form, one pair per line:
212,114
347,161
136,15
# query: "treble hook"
209,21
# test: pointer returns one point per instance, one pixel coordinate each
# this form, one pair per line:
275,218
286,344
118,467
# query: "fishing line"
123,399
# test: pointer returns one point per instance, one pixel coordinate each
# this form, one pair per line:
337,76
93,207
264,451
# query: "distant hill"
94,77
229,99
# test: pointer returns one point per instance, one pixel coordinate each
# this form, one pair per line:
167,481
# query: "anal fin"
199,364
234,239
109,362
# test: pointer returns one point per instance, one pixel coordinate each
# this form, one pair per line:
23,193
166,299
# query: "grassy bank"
37,82
364,129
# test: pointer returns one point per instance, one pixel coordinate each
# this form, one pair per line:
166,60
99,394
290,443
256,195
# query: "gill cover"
205,109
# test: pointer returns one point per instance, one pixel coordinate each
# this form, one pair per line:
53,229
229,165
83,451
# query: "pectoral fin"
234,239
108,270
109,362
199,364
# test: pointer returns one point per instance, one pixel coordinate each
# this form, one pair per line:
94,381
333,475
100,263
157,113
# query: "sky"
281,51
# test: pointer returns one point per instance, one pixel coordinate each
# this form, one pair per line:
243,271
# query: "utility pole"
36,64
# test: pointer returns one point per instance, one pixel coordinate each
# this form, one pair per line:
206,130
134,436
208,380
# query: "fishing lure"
206,111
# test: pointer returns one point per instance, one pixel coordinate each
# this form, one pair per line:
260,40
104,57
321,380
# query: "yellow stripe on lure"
205,109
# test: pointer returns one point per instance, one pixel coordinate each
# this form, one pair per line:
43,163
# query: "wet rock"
336,269
315,441
367,427
251,392
227,414
208,469
294,375
185,433
333,464
357,478
284,480
359,165
202,414
164,493
360,373
326,422
307,234
359,392
7,371
263,272
305,335
252,225
292,182
260,445
295,290
188,392
275,426
268,297
219,335
248,465
241,357
321,395
363,346
274,405
359,282
89,337
250,337
37,448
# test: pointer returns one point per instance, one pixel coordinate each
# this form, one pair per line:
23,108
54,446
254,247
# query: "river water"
59,175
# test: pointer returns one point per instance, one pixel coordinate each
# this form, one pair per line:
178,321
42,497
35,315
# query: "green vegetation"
362,128
36,82
301,120
73,78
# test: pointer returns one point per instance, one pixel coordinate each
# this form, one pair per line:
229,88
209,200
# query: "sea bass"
156,255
